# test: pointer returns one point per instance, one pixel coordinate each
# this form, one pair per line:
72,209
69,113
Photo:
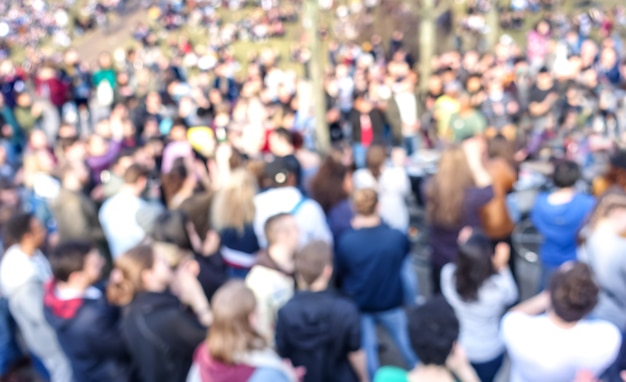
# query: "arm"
535,305
358,362
105,160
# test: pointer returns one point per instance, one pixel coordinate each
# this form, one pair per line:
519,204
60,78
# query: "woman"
331,187
480,287
392,184
160,334
177,184
232,216
454,198
234,351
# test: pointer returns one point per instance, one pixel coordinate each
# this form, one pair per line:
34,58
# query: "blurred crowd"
171,217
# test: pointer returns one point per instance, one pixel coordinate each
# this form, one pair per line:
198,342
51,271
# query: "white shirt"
407,105
119,222
480,319
17,268
541,351
309,216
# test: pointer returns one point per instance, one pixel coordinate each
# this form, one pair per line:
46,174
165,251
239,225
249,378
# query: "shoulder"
391,374
15,268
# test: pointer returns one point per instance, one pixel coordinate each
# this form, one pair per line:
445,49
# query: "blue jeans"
487,371
395,323
359,152
410,285
9,350
411,144
237,273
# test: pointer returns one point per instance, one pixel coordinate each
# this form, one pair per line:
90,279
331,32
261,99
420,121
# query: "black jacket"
88,332
161,336
378,125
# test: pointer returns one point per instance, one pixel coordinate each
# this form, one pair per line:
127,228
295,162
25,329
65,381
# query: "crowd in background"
171,219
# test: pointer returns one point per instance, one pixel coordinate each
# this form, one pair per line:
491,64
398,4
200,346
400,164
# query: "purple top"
443,240
103,162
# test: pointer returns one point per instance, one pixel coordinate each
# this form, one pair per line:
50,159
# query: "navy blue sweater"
368,266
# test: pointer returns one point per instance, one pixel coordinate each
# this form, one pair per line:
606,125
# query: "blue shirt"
559,225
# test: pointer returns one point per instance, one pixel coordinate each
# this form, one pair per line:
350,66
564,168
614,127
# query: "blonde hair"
446,190
365,201
233,205
125,280
231,333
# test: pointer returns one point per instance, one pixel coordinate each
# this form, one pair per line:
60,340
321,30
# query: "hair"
273,225
375,159
233,205
173,181
171,227
573,292
16,228
365,201
433,329
310,261
473,266
500,147
67,258
566,174
616,176
231,333
172,253
284,134
327,186
134,173
126,276
446,190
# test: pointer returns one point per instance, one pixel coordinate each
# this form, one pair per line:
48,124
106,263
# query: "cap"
278,170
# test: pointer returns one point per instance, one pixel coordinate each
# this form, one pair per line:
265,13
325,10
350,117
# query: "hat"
278,170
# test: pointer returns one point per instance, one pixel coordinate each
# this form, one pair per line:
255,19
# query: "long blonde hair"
446,190
125,281
233,204
231,334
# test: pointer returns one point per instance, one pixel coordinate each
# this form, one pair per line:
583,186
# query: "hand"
501,256
299,372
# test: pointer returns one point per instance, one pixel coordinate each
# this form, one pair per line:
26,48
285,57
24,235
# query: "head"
331,184
544,79
232,332
573,292
365,202
105,61
279,173
313,265
76,264
375,159
500,147
138,270
172,226
281,142
566,174
136,178
282,230
445,192
74,176
474,265
233,205
25,230
433,331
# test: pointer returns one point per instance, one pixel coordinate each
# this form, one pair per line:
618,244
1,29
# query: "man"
543,97
86,325
271,278
368,126
23,272
118,213
283,196
548,337
281,146
467,122
369,269
403,115
318,328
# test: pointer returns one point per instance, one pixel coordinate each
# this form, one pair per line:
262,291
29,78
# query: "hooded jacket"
88,331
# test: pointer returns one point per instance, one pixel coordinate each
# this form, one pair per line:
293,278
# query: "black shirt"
317,330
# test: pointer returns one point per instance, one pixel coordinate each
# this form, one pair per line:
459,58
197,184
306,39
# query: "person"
548,337
271,278
23,272
284,197
368,125
318,328
480,287
232,216
160,334
433,330
118,213
403,114
467,122
454,198
558,216
615,176
543,98
369,263
85,324
234,350
391,183
281,145
331,187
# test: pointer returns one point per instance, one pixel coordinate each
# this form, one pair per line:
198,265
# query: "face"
92,270
37,233
291,232
159,277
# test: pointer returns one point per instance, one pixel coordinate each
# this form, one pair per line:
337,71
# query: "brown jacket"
495,216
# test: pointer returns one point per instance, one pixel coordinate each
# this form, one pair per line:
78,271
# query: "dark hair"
16,228
327,186
134,173
171,227
573,292
375,158
67,258
566,174
284,134
173,181
309,262
473,266
433,330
